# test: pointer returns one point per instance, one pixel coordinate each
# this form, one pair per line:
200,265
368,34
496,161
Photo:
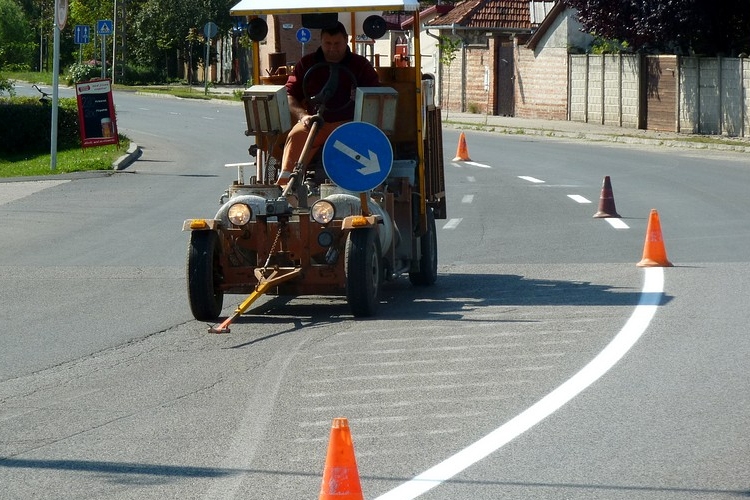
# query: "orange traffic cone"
654,253
340,476
462,153
606,201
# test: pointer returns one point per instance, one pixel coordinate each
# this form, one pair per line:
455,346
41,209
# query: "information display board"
96,113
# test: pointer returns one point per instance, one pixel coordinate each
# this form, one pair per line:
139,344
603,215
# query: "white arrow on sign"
370,165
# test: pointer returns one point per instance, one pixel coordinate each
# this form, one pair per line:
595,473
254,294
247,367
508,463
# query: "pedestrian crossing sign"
104,27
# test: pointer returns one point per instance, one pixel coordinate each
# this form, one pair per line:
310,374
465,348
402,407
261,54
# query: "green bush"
6,86
83,73
17,67
26,125
142,75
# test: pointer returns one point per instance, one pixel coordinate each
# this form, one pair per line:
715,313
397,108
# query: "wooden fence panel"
661,93
670,93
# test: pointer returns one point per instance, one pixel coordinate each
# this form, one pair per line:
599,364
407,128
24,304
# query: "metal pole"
206,67
41,43
55,82
114,39
104,56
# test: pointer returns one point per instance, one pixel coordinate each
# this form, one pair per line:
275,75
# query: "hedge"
26,125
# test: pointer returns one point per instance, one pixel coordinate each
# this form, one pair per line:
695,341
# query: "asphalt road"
543,364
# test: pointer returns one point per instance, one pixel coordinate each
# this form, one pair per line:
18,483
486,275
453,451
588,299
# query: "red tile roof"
486,14
434,9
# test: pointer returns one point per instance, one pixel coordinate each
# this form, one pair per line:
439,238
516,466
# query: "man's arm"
294,93
296,109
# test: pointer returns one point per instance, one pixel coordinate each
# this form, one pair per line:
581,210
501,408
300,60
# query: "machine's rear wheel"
427,274
203,274
363,271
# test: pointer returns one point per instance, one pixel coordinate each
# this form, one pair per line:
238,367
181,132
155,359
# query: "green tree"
448,49
172,29
16,37
702,26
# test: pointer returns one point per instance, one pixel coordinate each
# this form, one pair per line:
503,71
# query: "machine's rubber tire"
203,274
364,271
427,274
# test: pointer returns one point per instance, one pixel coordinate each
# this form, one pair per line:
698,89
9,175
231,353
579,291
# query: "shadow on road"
449,299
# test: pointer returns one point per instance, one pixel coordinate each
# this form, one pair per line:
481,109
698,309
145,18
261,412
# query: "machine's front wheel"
203,274
363,271
427,274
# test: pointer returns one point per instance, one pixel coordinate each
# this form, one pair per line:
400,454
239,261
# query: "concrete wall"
605,89
714,96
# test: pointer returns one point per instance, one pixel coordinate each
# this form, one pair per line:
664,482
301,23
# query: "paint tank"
348,204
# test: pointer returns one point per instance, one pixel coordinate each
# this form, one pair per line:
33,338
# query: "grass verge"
68,161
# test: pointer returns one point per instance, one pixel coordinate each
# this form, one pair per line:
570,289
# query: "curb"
132,154
615,137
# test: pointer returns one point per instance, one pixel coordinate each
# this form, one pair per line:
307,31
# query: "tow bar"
276,277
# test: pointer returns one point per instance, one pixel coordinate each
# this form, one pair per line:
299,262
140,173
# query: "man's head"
334,42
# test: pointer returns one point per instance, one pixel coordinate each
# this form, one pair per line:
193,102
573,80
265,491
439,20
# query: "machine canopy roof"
260,7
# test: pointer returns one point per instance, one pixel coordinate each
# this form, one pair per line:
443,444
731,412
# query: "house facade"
512,59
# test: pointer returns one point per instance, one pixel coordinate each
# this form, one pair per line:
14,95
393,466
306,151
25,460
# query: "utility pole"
119,37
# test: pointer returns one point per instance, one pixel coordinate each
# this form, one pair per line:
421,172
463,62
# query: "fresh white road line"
452,224
471,178
468,198
578,198
531,179
457,165
174,113
651,294
208,117
475,164
616,223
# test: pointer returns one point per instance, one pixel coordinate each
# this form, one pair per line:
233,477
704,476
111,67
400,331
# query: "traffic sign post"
81,35
60,17
357,156
303,37
104,27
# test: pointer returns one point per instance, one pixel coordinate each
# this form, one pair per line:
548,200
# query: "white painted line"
651,294
475,164
531,179
471,178
457,165
208,118
468,198
451,224
578,198
616,223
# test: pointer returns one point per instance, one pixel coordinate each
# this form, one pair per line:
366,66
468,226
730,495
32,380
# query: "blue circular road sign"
357,156
303,35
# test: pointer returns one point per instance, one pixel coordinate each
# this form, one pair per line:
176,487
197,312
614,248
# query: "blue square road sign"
104,27
81,34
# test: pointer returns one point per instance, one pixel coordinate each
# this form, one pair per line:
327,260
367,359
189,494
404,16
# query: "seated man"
339,108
